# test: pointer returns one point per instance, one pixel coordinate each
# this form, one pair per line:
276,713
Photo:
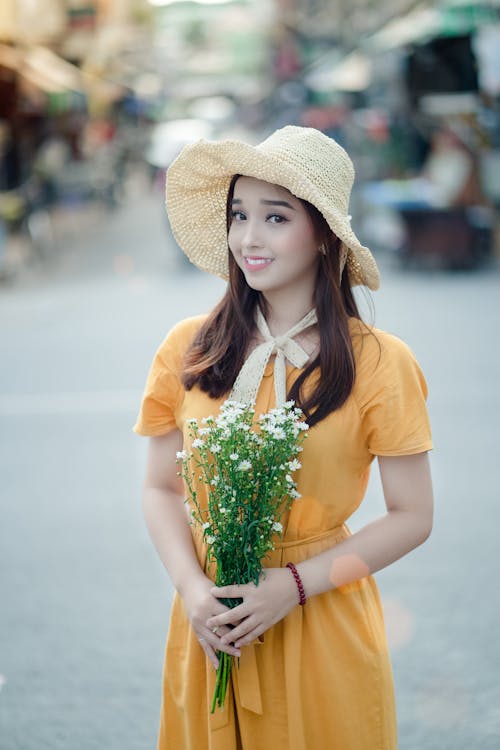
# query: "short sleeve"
164,391
392,399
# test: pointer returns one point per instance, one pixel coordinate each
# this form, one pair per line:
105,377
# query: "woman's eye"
276,219
237,215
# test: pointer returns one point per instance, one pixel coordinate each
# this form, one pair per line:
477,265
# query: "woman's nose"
251,235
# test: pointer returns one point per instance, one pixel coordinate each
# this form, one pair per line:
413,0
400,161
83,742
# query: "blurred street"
84,601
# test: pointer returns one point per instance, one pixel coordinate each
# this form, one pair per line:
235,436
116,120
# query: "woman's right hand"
200,605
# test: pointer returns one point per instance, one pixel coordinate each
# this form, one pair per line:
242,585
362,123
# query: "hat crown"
316,157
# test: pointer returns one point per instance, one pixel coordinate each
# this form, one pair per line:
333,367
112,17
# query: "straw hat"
303,160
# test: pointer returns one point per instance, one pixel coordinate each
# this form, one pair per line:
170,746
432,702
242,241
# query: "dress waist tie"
246,676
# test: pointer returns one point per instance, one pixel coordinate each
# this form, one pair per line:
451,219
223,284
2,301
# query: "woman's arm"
407,486
168,524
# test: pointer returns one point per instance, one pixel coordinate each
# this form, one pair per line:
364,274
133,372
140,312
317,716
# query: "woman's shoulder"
378,352
390,391
179,338
186,328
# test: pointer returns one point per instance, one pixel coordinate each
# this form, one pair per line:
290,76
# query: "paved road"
84,602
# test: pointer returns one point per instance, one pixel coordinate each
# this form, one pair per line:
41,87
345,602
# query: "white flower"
277,527
215,480
296,495
222,509
181,455
210,539
197,443
231,404
192,420
230,413
204,430
279,433
214,448
206,525
289,479
294,465
244,466
233,456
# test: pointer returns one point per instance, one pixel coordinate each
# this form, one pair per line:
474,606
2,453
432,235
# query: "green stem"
217,682
225,680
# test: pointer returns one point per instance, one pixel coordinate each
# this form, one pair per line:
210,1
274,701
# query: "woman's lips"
255,263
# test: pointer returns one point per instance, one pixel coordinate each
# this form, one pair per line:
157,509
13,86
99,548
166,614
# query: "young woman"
273,220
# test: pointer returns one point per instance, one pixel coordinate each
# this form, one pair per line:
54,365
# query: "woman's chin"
256,282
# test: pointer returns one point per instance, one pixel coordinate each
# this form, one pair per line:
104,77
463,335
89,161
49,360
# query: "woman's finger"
250,637
230,617
220,630
215,641
209,651
211,644
218,607
229,592
243,629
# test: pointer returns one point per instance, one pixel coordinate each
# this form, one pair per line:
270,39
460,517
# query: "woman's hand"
201,605
262,606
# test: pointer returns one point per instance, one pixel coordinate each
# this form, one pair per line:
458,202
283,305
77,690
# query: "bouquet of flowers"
247,466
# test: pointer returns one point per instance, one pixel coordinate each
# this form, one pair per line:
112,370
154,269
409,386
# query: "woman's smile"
256,263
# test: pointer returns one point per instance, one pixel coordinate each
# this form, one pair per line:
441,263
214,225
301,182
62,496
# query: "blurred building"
380,76
53,73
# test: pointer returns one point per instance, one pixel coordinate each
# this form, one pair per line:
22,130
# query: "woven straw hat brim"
197,186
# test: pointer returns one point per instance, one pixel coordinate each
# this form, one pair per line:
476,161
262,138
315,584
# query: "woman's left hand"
262,606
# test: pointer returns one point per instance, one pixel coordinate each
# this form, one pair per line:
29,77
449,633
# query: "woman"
273,219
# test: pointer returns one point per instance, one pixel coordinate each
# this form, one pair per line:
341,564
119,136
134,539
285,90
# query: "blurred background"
97,97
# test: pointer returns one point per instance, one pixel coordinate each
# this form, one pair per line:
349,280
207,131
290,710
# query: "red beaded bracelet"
298,581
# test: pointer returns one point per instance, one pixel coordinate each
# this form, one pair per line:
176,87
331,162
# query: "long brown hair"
219,349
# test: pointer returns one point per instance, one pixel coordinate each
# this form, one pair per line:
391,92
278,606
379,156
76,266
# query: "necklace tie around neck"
247,383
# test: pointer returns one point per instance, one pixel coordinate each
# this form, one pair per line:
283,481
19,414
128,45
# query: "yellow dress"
322,677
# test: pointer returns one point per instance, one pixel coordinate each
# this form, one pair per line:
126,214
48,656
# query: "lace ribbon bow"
247,383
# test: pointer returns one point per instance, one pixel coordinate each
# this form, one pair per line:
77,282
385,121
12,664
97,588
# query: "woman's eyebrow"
277,203
237,201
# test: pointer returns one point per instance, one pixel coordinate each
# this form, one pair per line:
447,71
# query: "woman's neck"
281,315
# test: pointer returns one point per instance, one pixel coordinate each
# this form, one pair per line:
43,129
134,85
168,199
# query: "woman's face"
272,239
